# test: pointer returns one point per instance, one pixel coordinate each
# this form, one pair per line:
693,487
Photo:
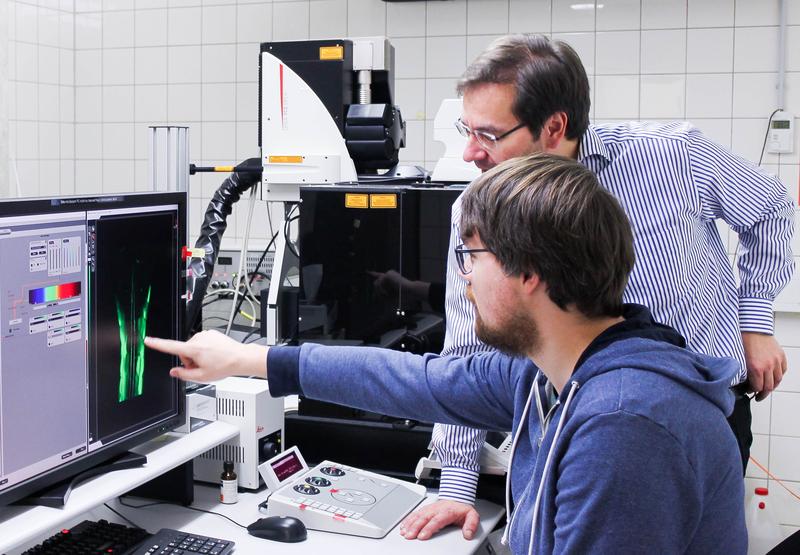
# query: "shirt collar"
592,145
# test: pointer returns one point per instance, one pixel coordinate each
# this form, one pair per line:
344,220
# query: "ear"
530,283
554,130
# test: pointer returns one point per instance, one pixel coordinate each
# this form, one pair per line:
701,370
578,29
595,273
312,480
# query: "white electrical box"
780,137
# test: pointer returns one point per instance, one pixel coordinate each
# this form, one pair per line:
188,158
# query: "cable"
121,502
769,122
774,478
122,516
242,260
258,264
250,334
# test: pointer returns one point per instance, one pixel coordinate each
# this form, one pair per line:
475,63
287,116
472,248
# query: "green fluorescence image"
132,331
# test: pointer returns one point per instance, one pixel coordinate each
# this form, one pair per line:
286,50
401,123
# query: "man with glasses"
613,467
528,93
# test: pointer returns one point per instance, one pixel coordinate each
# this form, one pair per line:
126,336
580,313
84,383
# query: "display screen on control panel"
286,467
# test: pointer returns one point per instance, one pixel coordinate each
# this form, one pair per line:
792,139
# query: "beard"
516,336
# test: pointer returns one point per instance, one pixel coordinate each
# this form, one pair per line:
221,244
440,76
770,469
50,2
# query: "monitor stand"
57,495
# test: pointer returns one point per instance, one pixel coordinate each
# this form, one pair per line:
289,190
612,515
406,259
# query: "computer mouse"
279,528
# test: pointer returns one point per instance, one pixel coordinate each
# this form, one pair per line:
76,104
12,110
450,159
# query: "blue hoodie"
634,456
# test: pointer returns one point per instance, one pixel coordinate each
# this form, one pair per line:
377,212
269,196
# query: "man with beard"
602,459
530,93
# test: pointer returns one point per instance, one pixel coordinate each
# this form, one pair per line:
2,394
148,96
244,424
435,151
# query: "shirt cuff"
756,315
283,371
458,484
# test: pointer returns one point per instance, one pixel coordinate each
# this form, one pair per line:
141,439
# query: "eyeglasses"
485,139
463,259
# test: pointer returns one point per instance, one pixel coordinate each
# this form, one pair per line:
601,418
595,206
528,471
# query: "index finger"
169,346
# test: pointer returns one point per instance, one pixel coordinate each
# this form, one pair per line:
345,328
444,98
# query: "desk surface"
246,511
20,525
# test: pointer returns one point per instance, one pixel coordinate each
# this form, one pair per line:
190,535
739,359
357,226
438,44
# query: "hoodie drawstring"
573,388
504,539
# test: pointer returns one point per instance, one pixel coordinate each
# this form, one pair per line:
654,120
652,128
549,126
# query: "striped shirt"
674,184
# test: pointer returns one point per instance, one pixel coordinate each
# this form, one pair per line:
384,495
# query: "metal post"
168,166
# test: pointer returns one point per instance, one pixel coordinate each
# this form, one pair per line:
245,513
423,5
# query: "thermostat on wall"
780,138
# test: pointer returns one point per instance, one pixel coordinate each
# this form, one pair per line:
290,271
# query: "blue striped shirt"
674,183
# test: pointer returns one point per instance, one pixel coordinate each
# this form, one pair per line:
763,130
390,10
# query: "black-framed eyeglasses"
485,139
463,259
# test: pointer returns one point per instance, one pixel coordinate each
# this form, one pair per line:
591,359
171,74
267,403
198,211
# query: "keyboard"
103,537
167,541
90,538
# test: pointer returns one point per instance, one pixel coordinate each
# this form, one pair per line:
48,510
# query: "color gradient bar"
54,293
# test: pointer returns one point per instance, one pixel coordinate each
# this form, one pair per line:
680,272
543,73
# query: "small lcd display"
780,124
287,467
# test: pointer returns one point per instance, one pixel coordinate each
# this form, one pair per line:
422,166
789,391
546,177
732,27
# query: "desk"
20,525
246,511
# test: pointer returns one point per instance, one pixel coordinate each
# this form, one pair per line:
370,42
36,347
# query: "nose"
473,152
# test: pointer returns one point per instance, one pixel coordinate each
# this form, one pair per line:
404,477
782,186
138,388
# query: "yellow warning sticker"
383,201
352,200
331,52
285,159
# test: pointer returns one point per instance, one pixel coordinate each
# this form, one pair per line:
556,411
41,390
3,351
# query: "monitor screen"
82,282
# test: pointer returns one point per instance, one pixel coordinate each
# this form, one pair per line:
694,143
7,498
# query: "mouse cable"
121,502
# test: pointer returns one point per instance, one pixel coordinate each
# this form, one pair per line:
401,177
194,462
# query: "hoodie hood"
710,377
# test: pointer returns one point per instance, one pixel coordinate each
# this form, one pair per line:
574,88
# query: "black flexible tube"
213,228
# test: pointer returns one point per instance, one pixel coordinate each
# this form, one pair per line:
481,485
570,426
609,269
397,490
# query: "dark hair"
548,215
548,76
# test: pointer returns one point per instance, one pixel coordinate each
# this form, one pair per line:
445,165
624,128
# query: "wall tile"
366,18
247,62
27,140
118,176
49,25
410,97
117,29
529,16
709,50
487,17
446,18
433,148
219,63
118,66
118,141
618,15
27,172
247,102
785,414
150,104
253,22
89,104
787,332
445,56
617,53
49,180
88,141
219,102
760,452
66,67
49,148
290,20
791,380
151,27
184,64
117,103
27,65
784,452
762,414
757,12
88,31
709,96
184,103
66,30
67,104
415,141
710,13
748,136
792,45
88,67
218,141
409,61
405,19
48,103
664,51
27,101
150,65
476,44
617,97
755,49
754,96
663,97
569,16
219,25
184,26
27,19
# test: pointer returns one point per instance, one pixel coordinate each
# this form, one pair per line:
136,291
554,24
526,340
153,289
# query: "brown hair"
548,215
548,76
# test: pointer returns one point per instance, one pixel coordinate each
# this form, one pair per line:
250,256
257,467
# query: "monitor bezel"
45,206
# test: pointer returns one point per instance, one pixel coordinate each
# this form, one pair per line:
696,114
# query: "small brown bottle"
229,484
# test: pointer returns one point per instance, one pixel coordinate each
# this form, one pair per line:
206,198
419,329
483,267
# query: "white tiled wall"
86,77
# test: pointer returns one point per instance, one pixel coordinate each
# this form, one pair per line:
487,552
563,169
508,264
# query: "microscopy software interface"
78,293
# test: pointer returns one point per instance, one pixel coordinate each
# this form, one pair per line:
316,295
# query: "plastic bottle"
763,530
229,484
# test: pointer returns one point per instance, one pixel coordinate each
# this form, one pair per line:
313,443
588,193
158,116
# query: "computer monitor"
82,281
